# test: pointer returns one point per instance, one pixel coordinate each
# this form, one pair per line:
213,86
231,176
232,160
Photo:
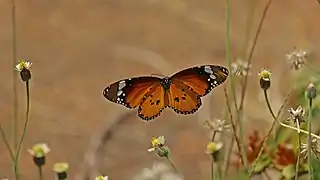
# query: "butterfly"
181,92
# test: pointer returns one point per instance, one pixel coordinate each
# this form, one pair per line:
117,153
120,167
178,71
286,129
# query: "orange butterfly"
181,91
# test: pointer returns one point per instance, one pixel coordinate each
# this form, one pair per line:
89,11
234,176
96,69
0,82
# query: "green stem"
309,140
212,160
298,155
243,152
172,164
17,155
264,14
249,23
15,92
234,137
14,62
40,173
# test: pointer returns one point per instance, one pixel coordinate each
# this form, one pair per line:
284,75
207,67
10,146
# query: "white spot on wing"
208,69
212,76
121,85
119,93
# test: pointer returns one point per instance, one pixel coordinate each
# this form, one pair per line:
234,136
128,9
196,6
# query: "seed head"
24,68
311,91
315,148
61,169
213,148
39,152
265,79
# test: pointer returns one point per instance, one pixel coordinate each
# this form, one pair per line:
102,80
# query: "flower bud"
311,91
61,170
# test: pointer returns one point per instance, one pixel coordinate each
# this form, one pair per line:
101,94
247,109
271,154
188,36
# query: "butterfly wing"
202,79
153,104
131,92
182,99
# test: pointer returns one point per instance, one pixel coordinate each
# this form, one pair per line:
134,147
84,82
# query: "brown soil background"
79,47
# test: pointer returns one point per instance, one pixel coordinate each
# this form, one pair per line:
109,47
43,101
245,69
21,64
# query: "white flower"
218,126
102,178
60,167
240,68
39,150
23,64
157,142
297,115
297,58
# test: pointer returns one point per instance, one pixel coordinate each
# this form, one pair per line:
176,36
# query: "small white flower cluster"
240,68
297,58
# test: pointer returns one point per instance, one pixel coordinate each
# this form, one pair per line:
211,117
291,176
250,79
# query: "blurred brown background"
80,46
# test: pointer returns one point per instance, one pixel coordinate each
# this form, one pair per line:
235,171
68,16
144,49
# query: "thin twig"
92,156
14,75
298,157
5,140
15,92
249,23
272,126
234,137
309,140
243,151
266,175
172,164
264,14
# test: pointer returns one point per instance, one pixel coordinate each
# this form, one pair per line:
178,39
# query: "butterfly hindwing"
152,106
202,79
181,99
131,92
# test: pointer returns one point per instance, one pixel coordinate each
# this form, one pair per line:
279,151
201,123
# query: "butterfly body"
181,92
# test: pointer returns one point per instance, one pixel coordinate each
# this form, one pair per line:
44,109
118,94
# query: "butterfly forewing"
131,92
152,106
202,79
181,99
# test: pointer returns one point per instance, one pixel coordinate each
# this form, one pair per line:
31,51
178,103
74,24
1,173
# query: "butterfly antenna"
160,75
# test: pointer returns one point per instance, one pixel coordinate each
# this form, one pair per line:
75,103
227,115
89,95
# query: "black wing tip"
105,93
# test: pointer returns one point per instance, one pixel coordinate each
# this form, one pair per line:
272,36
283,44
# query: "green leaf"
262,163
289,171
241,175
